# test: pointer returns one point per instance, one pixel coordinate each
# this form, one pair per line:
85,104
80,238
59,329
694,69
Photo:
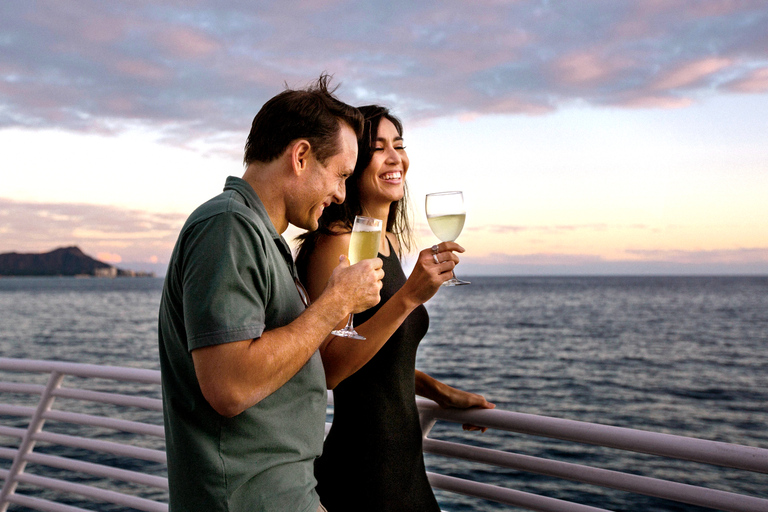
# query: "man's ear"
301,153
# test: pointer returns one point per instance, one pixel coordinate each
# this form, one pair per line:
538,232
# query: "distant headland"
66,261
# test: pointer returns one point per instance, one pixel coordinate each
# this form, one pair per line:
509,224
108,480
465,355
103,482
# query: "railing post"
28,442
427,420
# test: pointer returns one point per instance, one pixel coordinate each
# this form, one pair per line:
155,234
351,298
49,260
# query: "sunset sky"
589,137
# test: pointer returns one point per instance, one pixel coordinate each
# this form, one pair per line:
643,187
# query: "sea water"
680,355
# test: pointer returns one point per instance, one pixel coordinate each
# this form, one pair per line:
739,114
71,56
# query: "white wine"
447,227
363,245
445,214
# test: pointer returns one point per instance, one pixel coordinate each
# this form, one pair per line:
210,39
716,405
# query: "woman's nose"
393,155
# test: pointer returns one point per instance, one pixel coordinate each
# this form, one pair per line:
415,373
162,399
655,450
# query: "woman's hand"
432,269
457,399
448,397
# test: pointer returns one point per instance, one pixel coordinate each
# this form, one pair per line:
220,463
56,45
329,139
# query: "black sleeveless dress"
372,458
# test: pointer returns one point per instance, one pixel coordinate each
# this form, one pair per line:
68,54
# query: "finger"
452,246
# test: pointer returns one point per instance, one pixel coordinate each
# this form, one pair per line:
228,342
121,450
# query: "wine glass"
446,214
364,244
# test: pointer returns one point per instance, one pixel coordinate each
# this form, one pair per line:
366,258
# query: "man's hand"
357,286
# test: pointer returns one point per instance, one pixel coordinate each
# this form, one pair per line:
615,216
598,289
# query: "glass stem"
349,323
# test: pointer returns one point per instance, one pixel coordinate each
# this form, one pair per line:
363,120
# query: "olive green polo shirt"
230,278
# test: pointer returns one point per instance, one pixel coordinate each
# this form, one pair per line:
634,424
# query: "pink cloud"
657,101
109,257
755,82
134,59
141,69
71,20
102,29
517,106
535,259
691,73
693,8
581,68
723,256
110,232
187,43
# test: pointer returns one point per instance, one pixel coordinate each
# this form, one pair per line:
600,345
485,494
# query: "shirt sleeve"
224,281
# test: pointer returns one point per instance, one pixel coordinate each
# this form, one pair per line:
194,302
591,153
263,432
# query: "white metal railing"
50,491
745,458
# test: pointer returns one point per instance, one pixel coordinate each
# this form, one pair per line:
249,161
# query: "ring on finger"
434,257
435,249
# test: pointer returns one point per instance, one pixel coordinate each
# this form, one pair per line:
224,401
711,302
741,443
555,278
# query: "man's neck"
265,182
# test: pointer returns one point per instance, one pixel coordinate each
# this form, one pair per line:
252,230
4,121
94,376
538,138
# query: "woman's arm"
342,356
448,397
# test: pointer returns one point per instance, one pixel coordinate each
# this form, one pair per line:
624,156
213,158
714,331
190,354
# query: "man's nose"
341,192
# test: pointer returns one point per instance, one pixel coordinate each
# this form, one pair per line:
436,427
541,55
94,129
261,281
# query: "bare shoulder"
324,259
337,241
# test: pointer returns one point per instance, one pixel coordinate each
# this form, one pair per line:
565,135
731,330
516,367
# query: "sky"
588,137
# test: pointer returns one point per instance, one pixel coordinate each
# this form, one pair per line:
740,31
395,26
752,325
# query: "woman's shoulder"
336,239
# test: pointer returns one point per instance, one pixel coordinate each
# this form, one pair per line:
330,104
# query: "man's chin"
311,224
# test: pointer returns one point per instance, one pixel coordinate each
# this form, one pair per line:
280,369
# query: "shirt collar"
252,201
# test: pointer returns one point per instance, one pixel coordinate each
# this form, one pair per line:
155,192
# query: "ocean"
680,355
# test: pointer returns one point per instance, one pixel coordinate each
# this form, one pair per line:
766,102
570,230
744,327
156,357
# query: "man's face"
325,184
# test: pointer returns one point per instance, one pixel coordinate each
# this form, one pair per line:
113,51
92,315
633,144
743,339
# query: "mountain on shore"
66,261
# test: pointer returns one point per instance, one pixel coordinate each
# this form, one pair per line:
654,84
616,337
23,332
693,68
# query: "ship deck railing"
55,460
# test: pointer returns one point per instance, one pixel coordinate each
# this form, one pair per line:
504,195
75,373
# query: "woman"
372,459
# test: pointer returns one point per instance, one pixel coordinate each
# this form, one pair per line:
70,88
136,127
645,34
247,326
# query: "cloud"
186,43
501,229
203,68
726,257
109,257
753,82
728,262
115,234
691,73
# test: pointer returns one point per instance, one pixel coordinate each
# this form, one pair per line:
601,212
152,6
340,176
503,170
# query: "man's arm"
235,376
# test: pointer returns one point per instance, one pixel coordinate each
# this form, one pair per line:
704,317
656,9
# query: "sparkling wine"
363,245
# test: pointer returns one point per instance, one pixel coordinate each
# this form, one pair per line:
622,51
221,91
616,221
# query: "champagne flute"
446,214
364,244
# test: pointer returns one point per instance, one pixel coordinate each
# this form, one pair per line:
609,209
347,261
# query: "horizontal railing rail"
61,481
147,490
745,458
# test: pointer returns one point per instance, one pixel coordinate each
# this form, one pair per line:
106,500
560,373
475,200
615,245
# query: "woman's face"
384,178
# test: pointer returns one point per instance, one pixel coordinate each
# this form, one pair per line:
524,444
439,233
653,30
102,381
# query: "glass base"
348,333
454,282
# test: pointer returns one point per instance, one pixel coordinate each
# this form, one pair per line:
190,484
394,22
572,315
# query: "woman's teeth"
392,176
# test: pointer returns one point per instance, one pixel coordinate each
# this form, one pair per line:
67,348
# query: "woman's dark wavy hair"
343,215
312,114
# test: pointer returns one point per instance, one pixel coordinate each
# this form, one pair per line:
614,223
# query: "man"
243,385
